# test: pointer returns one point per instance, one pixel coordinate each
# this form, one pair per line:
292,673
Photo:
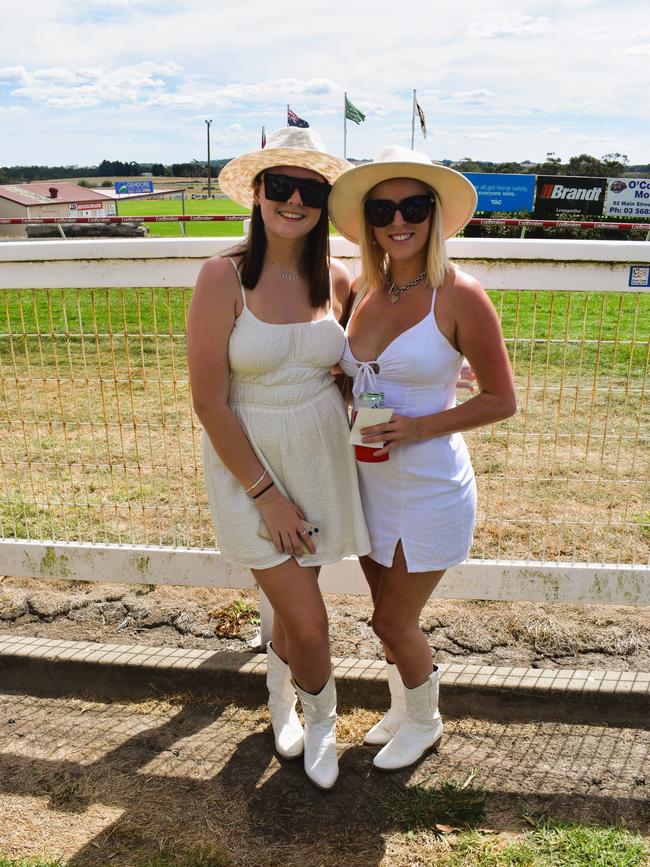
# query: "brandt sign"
560,196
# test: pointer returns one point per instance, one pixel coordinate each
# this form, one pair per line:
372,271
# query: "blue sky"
135,79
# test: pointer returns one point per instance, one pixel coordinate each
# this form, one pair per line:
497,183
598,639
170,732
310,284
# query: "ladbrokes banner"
627,197
559,196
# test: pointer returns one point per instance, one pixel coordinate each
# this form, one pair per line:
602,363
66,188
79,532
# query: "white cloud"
471,97
484,136
13,73
119,4
77,66
152,85
641,50
495,25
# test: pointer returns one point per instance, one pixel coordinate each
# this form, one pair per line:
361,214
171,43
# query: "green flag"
353,113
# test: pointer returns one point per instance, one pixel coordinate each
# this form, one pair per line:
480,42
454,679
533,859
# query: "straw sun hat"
456,194
291,146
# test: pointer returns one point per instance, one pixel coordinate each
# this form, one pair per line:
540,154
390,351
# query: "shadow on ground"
114,783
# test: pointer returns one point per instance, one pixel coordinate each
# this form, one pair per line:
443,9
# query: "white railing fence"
99,454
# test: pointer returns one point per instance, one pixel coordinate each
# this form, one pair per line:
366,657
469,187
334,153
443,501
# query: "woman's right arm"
210,321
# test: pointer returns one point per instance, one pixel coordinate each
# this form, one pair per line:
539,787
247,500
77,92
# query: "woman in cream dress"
263,335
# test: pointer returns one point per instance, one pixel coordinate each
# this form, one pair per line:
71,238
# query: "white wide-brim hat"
291,146
456,194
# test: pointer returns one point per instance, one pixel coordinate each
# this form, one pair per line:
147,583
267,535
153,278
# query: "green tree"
616,164
467,164
510,169
552,165
586,165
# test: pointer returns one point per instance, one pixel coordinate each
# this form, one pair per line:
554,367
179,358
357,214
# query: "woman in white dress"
263,334
414,319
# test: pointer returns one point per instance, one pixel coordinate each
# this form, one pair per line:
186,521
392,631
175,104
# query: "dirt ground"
488,633
138,778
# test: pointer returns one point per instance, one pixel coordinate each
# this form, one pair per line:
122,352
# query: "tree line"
610,165
110,169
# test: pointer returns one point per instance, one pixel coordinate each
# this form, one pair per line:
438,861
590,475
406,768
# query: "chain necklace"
395,291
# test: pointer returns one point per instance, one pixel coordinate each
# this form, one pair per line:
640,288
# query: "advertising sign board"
560,196
627,197
510,193
122,187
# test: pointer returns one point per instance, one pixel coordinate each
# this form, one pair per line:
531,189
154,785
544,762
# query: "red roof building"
51,199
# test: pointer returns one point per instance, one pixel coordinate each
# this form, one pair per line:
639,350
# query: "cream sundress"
425,494
286,399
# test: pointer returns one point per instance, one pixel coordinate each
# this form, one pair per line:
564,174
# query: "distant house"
50,199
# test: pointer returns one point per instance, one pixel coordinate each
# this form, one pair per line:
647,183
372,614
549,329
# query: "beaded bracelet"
255,484
263,491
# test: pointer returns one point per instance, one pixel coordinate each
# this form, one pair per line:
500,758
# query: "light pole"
207,124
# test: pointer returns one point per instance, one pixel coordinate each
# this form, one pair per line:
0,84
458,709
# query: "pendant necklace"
395,291
286,275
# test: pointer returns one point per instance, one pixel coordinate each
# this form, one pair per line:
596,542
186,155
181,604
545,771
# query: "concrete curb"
117,671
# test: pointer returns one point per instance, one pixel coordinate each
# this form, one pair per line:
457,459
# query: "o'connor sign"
627,197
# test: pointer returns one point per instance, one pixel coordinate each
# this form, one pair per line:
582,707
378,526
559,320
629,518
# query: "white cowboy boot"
387,727
420,731
321,763
287,729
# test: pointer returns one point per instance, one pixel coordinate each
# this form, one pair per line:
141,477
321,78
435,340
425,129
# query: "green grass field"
144,207
563,478
547,330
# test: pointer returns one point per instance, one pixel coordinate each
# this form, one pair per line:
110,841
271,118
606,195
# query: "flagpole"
345,128
413,121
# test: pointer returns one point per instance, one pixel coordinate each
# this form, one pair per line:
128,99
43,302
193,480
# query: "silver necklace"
395,291
286,275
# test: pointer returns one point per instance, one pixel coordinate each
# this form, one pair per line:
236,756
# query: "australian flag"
294,120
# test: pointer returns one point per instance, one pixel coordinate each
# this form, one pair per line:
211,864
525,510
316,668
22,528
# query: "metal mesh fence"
98,442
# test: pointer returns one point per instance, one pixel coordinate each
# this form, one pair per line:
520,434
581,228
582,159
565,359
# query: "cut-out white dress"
425,494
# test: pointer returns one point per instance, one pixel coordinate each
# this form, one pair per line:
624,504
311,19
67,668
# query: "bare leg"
278,636
399,600
300,623
372,572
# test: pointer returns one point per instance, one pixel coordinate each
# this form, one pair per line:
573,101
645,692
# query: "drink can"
371,400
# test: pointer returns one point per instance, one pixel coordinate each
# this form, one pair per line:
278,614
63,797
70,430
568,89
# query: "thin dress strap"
355,303
241,285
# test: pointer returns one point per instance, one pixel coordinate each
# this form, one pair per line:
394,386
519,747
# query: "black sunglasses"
414,209
279,188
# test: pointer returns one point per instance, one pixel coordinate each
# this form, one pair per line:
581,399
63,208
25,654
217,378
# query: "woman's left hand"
400,429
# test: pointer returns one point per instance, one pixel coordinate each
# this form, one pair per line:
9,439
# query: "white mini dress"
425,494
286,399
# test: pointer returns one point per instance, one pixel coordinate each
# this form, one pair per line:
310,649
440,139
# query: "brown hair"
314,263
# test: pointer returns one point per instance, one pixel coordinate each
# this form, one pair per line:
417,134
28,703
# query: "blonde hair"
374,261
